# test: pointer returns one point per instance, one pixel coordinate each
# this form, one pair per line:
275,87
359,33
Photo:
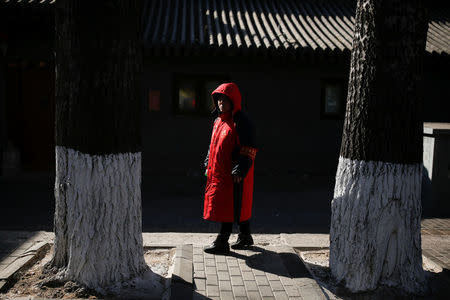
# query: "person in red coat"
229,170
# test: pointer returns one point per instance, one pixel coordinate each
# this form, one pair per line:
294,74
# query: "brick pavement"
259,273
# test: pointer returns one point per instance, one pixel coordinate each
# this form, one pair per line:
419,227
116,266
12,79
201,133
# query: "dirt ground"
317,263
30,282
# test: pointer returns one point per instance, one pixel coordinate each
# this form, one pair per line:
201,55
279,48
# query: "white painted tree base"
375,226
98,219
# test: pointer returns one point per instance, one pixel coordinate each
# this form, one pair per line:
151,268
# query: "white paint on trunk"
375,225
98,218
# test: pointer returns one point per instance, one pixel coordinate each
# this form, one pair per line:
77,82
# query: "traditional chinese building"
290,59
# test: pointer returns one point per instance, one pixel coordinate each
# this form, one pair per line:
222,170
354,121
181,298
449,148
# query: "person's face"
224,103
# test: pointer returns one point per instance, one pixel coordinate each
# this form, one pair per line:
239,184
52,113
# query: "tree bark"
98,216
375,226
3,129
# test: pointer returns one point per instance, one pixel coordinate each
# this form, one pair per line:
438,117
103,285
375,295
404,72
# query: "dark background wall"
283,101
436,105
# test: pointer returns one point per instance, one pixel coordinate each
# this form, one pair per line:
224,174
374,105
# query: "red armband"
248,151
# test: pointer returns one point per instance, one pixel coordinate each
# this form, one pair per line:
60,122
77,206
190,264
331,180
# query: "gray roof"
259,26
28,1
252,26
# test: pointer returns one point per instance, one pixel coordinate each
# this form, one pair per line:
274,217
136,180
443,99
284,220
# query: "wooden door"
38,92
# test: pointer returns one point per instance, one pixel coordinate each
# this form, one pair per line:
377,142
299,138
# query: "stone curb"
307,285
306,241
181,286
25,260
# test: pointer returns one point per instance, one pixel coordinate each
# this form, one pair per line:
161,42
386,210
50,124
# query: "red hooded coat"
231,152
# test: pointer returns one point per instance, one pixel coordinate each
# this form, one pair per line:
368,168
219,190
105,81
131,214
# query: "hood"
231,90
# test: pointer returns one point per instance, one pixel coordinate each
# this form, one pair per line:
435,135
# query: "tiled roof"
28,1
252,26
260,26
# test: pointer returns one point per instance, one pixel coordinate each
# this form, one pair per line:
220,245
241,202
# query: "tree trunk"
98,223
376,210
3,129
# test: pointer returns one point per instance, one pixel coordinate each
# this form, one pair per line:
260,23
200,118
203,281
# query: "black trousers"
227,227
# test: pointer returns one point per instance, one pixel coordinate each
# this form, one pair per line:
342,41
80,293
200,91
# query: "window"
333,99
187,96
193,94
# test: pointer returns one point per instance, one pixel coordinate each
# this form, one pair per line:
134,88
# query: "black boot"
243,241
219,246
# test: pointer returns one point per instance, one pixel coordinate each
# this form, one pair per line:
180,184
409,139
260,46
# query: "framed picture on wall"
154,100
192,94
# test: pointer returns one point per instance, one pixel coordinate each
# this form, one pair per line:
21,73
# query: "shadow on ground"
12,240
268,261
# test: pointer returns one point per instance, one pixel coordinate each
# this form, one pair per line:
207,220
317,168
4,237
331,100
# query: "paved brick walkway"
436,241
260,273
